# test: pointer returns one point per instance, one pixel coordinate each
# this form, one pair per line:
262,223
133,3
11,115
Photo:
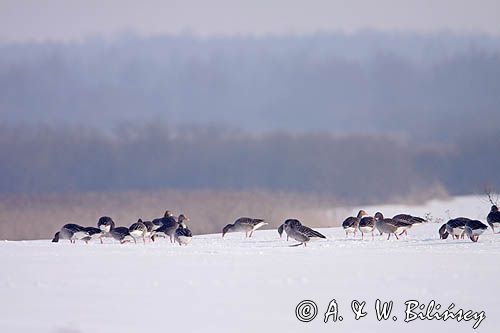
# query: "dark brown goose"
351,223
474,228
494,218
456,227
367,225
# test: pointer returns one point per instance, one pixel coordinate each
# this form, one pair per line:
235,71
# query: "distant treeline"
352,167
427,87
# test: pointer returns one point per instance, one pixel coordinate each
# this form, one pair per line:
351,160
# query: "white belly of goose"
366,229
259,225
184,239
457,231
350,229
105,228
476,232
136,233
80,235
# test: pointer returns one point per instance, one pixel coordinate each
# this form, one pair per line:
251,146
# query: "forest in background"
356,118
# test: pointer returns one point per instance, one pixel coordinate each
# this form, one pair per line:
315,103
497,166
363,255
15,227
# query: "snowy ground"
250,285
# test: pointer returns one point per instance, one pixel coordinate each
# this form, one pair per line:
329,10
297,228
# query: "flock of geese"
176,230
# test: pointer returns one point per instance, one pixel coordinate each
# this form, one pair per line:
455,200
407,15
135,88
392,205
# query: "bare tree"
491,195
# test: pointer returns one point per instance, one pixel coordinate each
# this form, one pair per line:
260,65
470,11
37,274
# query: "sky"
39,20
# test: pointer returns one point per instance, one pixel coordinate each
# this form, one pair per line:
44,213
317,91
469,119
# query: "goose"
390,226
366,225
443,234
169,225
244,224
150,229
456,227
94,233
138,229
410,219
296,230
351,223
121,234
72,232
158,222
281,229
285,227
183,235
474,228
494,218
106,224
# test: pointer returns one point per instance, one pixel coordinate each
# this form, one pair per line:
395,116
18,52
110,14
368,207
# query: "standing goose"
138,229
280,230
282,227
288,224
150,229
351,223
367,225
106,224
410,219
390,226
443,234
72,232
94,233
456,227
183,235
474,228
121,234
244,224
169,226
159,221
494,218
299,232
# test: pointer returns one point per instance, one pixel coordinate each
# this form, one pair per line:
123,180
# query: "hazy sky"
73,19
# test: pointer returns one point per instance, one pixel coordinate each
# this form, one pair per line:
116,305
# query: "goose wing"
308,231
349,222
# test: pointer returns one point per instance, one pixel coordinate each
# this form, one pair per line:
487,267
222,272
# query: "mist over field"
369,117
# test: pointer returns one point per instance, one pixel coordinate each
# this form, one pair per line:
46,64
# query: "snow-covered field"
251,285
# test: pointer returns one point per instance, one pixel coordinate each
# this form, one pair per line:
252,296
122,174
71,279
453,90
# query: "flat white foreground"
245,285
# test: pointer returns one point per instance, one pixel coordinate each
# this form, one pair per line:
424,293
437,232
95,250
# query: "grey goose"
494,218
244,224
138,230
121,234
183,235
456,227
367,225
351,223
71,232
296,230
390,226
474,228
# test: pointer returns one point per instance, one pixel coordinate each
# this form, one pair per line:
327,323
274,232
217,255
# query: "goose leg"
246,234
101,241
362,236
251,233
396,236
388,236
373,237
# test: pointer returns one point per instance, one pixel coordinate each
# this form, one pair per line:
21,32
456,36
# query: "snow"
250,285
